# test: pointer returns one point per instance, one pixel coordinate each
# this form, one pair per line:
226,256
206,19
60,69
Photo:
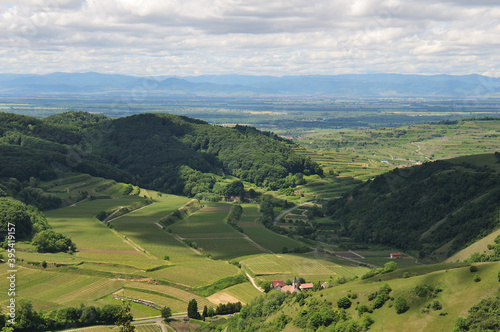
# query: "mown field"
308,266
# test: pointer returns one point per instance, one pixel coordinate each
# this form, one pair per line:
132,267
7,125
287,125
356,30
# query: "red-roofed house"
307,285
395,255
277,283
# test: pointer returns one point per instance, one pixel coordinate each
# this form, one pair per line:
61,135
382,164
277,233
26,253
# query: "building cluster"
295,287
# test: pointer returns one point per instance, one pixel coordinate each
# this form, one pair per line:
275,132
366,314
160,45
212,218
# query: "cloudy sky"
258,37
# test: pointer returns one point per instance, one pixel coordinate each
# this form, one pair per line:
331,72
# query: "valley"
217,214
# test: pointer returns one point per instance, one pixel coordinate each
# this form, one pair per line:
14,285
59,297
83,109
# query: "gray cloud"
192,37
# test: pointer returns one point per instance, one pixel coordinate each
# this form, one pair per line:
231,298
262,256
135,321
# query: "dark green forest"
173,154
421,208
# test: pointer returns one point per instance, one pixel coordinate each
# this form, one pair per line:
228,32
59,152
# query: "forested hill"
440,205
157,147
160,151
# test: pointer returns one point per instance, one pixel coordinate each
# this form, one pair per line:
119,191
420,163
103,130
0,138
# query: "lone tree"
205,312
166,313
125,318
401,305
193,309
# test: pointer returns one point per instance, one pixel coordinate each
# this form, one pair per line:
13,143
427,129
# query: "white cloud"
186,37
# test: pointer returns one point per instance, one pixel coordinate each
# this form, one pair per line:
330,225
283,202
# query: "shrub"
473,268
50,241
379,301
436,305
477,278
344,303
362,309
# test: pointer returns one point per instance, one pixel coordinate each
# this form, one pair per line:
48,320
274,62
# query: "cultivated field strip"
170,291
245,292
97,289
148,328
196,273
175,304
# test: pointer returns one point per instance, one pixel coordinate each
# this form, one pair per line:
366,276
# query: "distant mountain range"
350,86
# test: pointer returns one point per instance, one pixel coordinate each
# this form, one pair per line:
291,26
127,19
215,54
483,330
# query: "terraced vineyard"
365,153
50,290
261,235
132,255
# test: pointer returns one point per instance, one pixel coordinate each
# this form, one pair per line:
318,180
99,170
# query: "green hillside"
440,206
426,301
158,151
167,209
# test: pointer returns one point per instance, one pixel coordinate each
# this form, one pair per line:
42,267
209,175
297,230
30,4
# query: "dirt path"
258,246
110,251
83,200
123,215
288,211
253,283
418,150
353,260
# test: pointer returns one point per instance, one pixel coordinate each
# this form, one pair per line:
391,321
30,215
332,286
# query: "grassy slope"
459,293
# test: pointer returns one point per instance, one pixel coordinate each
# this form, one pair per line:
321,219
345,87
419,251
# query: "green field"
141,226
243,293
207,223
286,266
50,290
261,235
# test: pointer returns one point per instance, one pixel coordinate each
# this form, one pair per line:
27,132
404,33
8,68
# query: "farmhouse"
395,255
278,284
306,286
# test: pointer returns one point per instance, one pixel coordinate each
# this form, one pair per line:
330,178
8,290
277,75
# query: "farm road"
253,283
157,321
284,213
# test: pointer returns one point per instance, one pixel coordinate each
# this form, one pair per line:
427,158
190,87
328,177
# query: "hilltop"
159,151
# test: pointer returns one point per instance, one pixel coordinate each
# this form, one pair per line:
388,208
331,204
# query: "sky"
255,37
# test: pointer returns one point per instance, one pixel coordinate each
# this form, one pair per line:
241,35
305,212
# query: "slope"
443,204
164,152
434,302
